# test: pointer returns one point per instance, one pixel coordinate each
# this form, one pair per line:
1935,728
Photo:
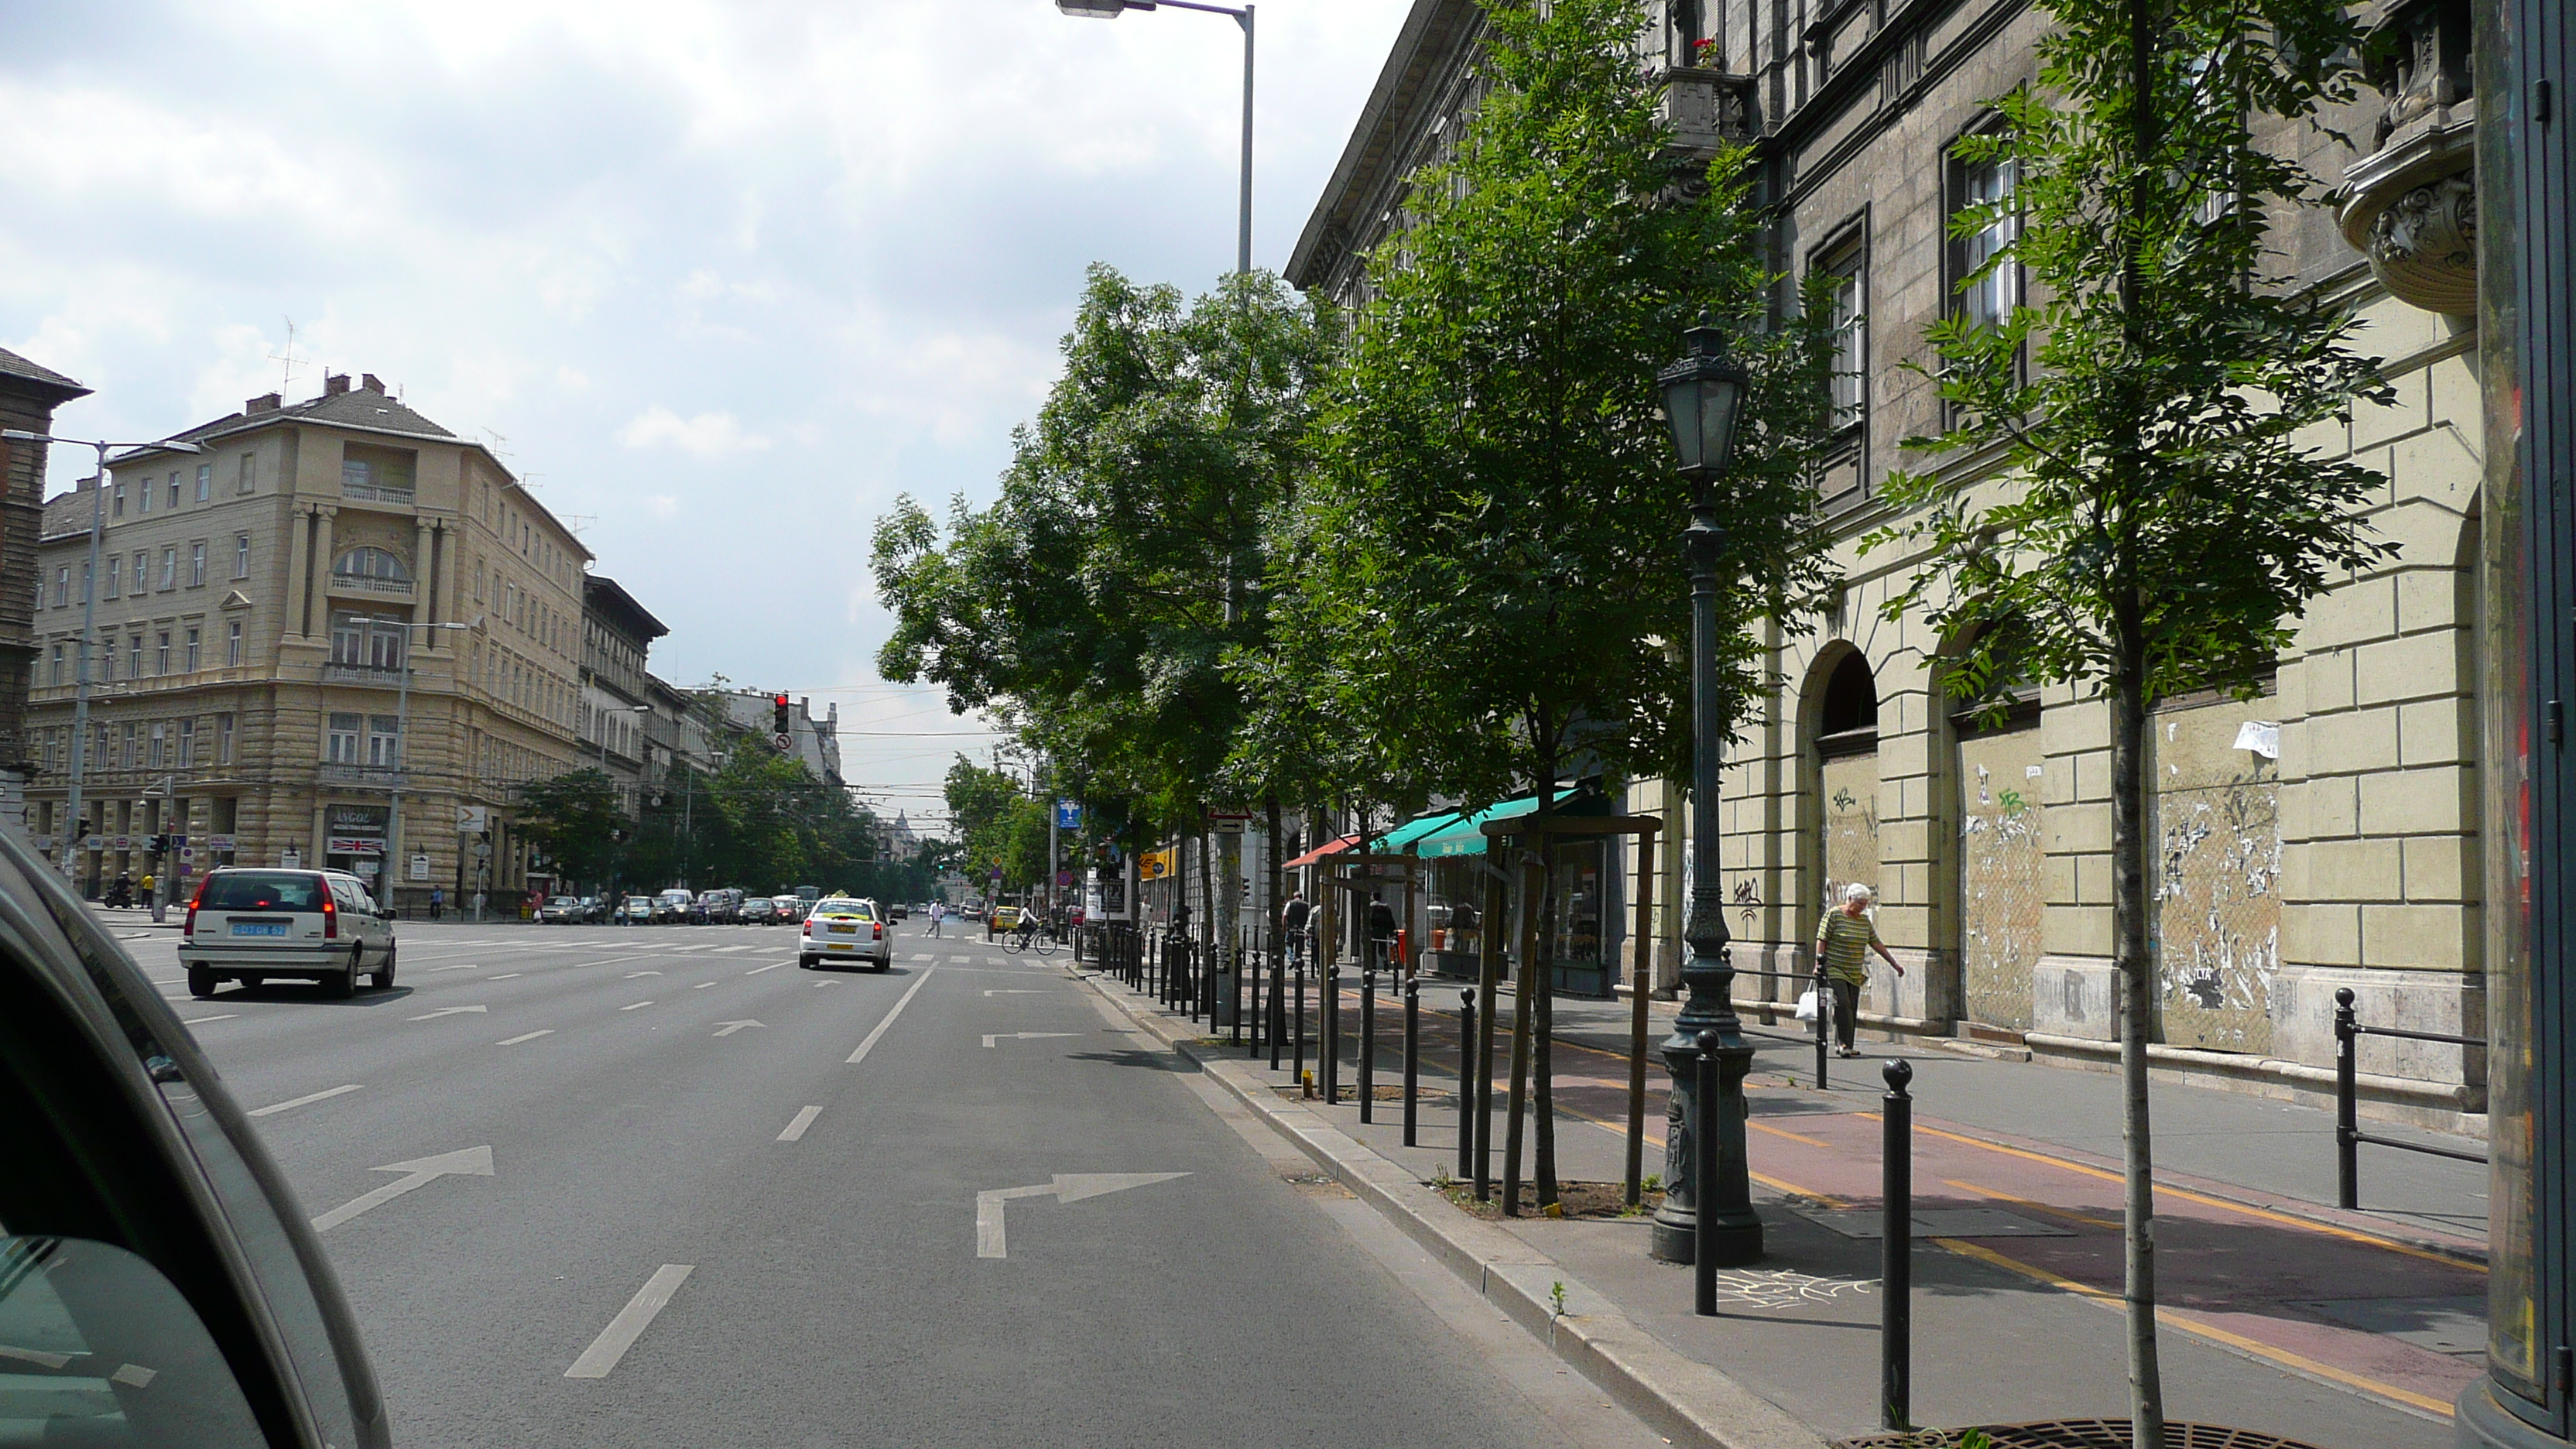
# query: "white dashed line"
531,1036
631,975
803,1119
306,1100
701,986
772,966
202,1020
630,1322
638,1006
506,976
882,1027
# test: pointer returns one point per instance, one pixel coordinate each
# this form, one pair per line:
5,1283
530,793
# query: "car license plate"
845,930
259,928
841,946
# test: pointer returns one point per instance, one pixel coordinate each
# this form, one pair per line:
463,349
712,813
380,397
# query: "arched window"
371,563
1851,699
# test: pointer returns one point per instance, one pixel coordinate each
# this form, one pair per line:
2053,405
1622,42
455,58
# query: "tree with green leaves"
574,818
998,823
1485,561
2158,524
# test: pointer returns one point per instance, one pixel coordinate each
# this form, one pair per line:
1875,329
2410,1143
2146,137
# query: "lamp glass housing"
1703,393
1093,9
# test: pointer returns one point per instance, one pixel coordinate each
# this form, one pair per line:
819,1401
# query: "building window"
354,473
63,587
249,473
1985,301
205,481
161,652
170,567
159,743
125,758
194,649
196,566
384,736
1846,272
241,555
232,645
223,739
188,743
134,657
58,664
88,577
371,563
115,574
342,746
373,643
143,496
142,563
174,490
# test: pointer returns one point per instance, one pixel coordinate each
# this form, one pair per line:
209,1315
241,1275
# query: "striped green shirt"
1845,941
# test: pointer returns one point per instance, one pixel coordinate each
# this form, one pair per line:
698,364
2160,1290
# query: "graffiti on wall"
2217,870
2003,886
1851,824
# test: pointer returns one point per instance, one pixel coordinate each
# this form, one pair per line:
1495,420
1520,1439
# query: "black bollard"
1896,1246
1824,1004
1252,994
2347,1028
1234,991
1368,1044
1328,1057
1297,1072
1412,1053
1706,1174
1467,1087
1277,1022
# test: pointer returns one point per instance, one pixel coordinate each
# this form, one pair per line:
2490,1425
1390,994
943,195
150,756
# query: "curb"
1678,1396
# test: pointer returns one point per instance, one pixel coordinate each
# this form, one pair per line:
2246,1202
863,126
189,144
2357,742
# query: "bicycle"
1021,937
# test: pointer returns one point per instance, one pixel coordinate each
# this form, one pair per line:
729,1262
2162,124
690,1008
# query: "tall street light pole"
89,613
402,746
1111,10
1702,393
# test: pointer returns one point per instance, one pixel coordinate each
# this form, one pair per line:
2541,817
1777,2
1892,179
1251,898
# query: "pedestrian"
937,910
1843,944
1292,923
437,900
1381,926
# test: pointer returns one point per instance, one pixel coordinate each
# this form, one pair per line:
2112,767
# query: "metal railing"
2348,1134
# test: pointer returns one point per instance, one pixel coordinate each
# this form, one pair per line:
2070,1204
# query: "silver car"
317,925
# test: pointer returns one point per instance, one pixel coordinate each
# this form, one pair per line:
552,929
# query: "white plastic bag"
1807,1004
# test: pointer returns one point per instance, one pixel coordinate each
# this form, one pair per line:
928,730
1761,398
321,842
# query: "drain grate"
2079,1434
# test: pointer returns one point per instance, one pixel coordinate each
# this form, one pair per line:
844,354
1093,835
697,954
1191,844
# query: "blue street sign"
1068,815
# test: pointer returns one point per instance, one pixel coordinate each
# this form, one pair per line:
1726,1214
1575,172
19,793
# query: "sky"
719,281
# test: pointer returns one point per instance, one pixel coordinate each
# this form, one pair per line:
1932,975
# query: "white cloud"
707,435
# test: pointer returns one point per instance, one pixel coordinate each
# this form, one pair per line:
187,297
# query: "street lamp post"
1702,394
89,612
1111,10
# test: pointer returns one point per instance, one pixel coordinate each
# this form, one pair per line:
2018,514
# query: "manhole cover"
2079,1434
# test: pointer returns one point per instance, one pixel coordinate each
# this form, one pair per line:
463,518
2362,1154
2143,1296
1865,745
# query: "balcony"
371,587
365,777
1707,108
2411,203
375,493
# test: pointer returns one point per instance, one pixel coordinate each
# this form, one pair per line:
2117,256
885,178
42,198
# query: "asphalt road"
695,1232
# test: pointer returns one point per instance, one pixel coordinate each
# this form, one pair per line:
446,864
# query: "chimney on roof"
369,383
266,402
334,383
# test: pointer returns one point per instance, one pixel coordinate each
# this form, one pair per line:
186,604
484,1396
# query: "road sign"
473,817
785,742
483,849
420,867
1068,814
1063,879
1228,824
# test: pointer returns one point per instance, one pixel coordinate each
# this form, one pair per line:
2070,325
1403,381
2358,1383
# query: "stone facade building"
2324,835
617,694
28,396
259,605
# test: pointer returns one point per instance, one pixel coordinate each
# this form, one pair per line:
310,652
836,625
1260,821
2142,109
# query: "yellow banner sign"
1155,864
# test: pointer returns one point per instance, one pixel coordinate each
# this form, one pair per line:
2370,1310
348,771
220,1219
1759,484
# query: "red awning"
1329,847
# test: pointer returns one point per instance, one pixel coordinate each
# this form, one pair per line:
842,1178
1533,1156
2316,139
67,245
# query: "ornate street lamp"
1703,394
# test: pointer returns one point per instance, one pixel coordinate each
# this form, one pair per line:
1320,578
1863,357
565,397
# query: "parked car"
756,911
790,908
561,911
155,1231
716,908
319,925
637,911
896,912
674,906
845,927
1003,918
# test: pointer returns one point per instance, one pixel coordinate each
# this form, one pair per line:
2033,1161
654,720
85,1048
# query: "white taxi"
843,926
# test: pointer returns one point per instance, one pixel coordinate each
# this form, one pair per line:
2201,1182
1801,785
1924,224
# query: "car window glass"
262,890
96,1347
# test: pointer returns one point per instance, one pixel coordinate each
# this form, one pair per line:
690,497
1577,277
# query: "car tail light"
330,917
877,931
195,901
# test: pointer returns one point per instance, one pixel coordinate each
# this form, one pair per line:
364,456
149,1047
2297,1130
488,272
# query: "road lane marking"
728,1028
450,1011
990,1241
796,1128
737,948
306,1100
471,1162
701,986
638,1006
506,976
631,975
460,966
870,1043
923,956
772,966
819,985
528,1036
202,1020
1021,1036
1015,991
630,1322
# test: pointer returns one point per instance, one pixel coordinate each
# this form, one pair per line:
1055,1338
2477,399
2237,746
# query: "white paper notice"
2261,736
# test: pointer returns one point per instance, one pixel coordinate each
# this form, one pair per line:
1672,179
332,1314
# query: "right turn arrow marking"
1067,1187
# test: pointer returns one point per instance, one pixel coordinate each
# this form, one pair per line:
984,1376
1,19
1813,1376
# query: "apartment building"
29,393
2324,836
274,615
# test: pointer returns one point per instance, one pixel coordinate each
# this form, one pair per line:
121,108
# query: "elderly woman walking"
1843,944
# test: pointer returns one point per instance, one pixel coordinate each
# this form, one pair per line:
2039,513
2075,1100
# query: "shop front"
1582,946
354,840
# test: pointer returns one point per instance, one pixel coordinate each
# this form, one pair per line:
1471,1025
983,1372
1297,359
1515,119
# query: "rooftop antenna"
286,361
500,443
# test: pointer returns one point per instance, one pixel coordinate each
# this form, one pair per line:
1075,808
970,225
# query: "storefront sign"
354,845
420,867
220,842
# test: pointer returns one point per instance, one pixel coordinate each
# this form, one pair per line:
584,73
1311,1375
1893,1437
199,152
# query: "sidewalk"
2346,1330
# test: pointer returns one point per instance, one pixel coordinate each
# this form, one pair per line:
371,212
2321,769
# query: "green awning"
1466,836
1411,831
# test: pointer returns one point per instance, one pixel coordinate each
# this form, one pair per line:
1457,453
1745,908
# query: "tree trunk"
1543,1027
1513,1121
1207,910
1272,901
1489,992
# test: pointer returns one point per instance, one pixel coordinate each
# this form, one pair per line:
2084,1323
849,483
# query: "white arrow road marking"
471,1162
1067,1187
1015,991
630,1322
796,1127
306,1100
819,985
869,1043
772,966
531,1036
227,1016
1021,1036
728,1028
448,1011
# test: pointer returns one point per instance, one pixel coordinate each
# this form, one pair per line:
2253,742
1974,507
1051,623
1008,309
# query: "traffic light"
160,845
778,714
